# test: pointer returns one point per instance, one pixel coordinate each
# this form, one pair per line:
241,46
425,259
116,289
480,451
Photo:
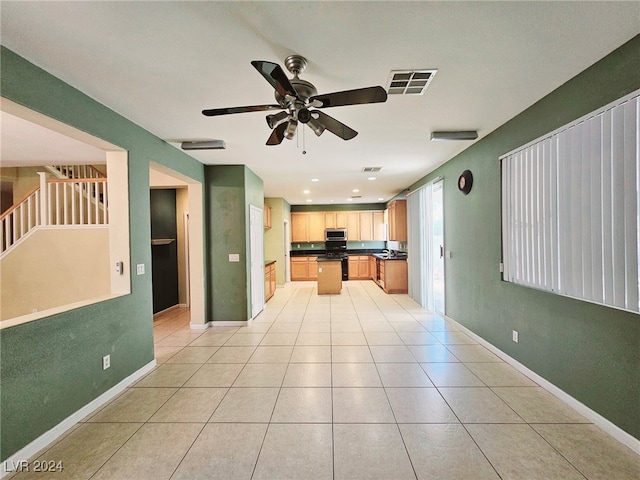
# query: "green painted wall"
589,351
229,191
52,367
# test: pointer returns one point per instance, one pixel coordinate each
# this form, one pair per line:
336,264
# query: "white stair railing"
77,171
19,220
56,203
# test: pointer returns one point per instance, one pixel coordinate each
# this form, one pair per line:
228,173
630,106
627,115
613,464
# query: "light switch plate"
234,257
140,269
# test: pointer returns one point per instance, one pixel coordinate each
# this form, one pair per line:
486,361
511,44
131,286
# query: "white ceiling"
160,63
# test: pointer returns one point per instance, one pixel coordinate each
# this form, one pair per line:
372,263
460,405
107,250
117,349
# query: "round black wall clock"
465,181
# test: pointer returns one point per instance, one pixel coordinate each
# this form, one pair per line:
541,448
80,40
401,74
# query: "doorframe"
161,176
256,268
287,251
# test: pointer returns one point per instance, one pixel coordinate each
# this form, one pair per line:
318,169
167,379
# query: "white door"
256,231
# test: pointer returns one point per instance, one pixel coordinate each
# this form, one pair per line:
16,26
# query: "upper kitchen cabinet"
299,227
307,226
267,216
398,220
361,225
316,226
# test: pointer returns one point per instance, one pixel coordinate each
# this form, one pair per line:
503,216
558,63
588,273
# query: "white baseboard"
24,454
230,323
199,326
597,419
214,324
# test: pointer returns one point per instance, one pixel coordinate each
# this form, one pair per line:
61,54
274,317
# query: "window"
570,208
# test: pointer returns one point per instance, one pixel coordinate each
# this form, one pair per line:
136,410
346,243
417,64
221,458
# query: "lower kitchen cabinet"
269,280
304,268
392,275
359,267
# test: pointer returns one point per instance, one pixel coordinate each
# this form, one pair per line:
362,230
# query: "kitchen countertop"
386,257
322,258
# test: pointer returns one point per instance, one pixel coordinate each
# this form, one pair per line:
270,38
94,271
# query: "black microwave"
331,234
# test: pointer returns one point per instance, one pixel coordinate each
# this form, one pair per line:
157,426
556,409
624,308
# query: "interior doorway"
189,239
165,242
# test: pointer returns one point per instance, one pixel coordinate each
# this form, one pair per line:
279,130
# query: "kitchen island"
329,275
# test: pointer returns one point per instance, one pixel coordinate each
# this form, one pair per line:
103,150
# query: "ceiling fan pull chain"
304,143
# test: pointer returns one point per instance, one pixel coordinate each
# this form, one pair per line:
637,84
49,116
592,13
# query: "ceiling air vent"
356,196
371,169
409,82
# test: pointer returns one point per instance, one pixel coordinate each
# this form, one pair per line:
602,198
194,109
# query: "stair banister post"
44,198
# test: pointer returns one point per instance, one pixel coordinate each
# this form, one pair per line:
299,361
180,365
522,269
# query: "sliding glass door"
426,246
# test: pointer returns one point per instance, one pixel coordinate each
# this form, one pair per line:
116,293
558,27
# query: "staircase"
76,197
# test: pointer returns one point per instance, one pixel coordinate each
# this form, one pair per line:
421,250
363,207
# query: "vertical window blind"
420,245
570,208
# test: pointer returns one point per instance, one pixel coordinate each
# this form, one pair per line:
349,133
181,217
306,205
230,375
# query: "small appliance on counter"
338,249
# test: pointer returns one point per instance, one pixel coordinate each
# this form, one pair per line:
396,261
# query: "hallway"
361,385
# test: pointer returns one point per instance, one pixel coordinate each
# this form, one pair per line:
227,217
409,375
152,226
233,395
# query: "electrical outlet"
119,268
140,269
106,362
312,245
514,336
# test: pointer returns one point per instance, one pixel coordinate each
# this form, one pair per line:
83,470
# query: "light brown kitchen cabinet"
372,267
363,267
392,275
304,268
366,226
379,228
269,280
299,227
361,225
267,216
316,226
359,267
398,220
353,226
330,220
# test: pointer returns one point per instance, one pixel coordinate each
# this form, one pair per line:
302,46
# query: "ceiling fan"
300,99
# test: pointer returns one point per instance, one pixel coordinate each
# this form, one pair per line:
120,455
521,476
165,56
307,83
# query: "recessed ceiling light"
349,199
380,199
355,190
309,200
315,179
306,192
371,178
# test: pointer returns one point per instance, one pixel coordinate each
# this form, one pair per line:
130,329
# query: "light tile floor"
360,385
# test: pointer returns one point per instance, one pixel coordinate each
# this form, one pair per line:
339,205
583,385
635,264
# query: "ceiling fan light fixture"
274,120
204,145
291,129
316,126
454,135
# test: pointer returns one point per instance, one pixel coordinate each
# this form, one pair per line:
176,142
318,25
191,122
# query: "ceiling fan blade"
335,127
277,134
251,108
274,74
350,97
